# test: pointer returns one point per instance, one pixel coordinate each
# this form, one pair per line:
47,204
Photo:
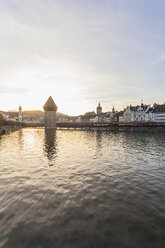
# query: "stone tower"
50,109
113,110
20,114
99,109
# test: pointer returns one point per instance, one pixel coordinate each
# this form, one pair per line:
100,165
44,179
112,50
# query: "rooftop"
50,105
159,108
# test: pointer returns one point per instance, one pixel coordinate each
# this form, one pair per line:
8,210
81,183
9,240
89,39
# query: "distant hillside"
10,113
30,113
33,113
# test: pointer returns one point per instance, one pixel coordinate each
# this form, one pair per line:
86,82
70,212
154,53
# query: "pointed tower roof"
20,108
50,105
99,105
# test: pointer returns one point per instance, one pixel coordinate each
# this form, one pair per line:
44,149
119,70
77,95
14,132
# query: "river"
78,189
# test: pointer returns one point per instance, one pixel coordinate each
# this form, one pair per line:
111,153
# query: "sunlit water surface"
82,189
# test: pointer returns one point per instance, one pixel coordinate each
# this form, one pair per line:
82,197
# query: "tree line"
2,120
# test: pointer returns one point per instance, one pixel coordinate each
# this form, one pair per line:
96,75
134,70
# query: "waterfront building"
108,117
120,116
94,120
78,119
137,113
128,114
99,116
159,111
150,115
50,109
143,113
88,116
72,119
115,117
11,116
20,116
63,119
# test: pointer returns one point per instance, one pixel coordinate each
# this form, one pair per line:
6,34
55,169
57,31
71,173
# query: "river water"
82,189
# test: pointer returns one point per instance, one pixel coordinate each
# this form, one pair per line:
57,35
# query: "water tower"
50,109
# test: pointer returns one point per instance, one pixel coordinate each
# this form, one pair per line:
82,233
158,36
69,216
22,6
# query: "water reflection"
20,139
144,141
104,190
99,151
0,140
50,148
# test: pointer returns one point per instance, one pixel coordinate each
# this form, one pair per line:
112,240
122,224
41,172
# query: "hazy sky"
81,52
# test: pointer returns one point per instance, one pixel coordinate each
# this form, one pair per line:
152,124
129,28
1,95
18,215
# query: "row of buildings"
94,117
139,113
143,113
25,117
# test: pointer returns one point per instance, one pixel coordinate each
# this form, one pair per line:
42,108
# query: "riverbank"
87,126
6,129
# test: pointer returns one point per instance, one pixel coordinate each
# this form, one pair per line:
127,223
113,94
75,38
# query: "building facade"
159,112
142,113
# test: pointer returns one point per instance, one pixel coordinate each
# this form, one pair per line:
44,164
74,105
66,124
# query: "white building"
141,113
63,119
10,118
78,120
150,115
95,119
159,112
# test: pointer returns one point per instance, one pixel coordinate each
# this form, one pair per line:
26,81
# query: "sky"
81,52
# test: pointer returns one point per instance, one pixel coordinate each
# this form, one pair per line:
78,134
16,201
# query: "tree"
1,119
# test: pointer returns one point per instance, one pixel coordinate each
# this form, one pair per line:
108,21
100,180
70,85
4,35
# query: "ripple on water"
82,189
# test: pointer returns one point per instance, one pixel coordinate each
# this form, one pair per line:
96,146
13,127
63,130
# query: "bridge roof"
50,105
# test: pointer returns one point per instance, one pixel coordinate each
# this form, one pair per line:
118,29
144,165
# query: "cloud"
102,50
6,89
